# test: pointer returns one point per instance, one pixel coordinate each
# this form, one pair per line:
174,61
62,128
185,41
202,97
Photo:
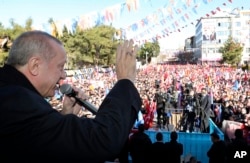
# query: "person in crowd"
247,130
193,160
227,110
158,149
174,148
149,108
191,111
237,145
205,110
217,152
32,131
160,106
139,146
139,119
124,155
219,83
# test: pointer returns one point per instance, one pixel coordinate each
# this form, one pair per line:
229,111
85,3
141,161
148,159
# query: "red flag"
245,77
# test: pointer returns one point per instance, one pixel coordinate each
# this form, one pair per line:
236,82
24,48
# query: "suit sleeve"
42,131
108,132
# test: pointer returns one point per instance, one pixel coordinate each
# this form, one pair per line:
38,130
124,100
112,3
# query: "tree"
28,24
11,34
3,58
149,50
231,52
15,30
96,45
102,41
77,47
53,26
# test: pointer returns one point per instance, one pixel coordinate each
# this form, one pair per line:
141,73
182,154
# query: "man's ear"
34,65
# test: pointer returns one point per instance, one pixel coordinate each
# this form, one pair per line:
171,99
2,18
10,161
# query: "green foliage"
102,43
149,50
96,45
28,24
231,52
15,30
3,57
77,48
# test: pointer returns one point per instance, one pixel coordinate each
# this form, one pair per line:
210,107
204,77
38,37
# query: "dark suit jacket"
32,131
139,145
158,152
217,152
206,104
206,112
174,151
238,145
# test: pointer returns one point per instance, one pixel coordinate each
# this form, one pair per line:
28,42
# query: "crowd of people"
227,91
229,152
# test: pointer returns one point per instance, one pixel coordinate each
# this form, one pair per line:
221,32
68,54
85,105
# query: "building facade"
212,32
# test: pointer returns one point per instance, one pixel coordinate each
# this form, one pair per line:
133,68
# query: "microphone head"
66,89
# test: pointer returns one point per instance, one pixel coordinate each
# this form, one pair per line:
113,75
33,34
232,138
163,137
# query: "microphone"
67,90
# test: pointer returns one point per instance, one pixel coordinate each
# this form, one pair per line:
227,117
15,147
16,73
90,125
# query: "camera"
157,84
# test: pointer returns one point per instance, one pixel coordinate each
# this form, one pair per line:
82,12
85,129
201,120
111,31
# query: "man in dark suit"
158,149
217,152
205,110
139,146
190,112
238,144
174,149
32,131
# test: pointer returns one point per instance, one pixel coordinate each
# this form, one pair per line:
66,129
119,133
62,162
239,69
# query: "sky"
170,32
